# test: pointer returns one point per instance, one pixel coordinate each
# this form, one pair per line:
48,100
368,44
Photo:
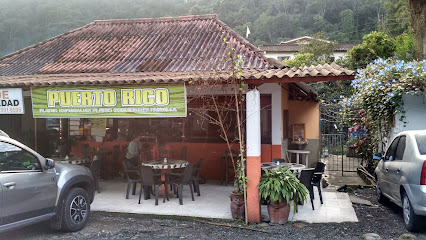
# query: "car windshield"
421,144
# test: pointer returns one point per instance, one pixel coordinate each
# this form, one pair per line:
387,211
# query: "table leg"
163,178
297,158
307,162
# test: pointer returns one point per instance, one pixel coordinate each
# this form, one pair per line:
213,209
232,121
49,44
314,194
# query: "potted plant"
279,187
237,195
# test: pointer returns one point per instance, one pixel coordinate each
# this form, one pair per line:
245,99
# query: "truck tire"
75,210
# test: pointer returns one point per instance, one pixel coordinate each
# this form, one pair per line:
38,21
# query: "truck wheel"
75,210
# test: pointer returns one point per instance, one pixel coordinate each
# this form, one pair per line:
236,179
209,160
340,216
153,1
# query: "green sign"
128,101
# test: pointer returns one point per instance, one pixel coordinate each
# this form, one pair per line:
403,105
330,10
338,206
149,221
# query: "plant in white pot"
279,187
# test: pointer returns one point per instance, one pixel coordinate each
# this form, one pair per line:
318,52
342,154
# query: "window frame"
40,169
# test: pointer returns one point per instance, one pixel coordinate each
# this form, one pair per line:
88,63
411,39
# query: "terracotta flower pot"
237,205
278,212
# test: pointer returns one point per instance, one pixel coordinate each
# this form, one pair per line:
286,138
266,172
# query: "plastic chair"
94,168
183,154
132,176
196,176
276,160
306,179
150,179
179,180
316,179
115,159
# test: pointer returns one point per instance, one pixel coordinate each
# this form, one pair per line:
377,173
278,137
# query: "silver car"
401,176
35,189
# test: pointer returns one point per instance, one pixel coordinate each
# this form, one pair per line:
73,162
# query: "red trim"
253,205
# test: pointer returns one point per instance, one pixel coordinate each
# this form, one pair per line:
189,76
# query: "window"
421,143
400,149
282,58
13,158
390,154
266,119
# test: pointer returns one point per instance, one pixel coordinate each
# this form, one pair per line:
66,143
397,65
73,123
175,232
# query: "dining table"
298,153
164,165
294,167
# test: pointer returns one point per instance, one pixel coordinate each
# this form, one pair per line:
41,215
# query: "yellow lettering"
75,98
52,98
127,97
98,98
65,99
109,98
161,97
138,97
148,97
86,98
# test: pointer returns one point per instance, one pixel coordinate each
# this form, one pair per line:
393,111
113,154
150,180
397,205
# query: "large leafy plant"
281,185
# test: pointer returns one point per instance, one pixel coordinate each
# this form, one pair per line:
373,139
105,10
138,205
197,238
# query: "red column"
253,173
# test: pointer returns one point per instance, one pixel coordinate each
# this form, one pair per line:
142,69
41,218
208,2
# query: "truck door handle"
398,171
387,169
10,185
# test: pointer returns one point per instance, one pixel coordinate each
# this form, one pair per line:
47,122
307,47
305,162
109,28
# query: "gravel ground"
385,220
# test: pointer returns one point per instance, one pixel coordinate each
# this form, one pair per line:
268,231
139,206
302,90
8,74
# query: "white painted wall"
253,123
415,113
275,90
275,55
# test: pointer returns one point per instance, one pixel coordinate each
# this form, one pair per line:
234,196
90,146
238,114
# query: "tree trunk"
418,22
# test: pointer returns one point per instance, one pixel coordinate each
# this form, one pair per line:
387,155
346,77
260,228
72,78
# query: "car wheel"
75,210
411,220
379,194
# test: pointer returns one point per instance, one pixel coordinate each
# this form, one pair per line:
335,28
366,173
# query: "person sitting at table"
161,150
133,150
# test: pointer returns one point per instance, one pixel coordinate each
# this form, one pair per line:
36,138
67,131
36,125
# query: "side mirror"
49,164
377,156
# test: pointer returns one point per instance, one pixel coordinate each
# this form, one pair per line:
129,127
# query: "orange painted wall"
211,153
307,113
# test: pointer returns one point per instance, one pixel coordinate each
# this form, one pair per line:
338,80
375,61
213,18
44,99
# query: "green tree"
347,24
397,19
300,60
405,47
320,51
375,45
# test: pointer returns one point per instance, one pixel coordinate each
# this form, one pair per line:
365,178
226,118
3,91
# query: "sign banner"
11,101
127,101
98,127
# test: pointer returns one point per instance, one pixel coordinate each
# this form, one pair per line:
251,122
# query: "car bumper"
418,199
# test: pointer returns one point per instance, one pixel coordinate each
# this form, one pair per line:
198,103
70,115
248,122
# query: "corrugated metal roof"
327,70
181,44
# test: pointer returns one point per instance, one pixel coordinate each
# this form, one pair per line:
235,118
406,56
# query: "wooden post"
35,134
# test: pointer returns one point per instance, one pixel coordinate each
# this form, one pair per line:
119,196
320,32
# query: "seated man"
133,149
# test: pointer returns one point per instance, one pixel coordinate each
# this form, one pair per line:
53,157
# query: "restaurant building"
94,86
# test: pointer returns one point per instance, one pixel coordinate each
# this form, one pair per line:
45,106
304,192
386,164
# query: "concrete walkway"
214,202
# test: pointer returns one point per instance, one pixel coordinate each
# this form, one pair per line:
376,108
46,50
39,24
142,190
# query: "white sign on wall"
11,101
